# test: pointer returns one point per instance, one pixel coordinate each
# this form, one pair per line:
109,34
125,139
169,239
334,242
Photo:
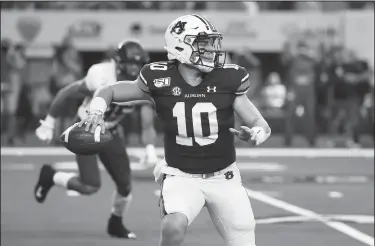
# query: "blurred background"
311,63
312,74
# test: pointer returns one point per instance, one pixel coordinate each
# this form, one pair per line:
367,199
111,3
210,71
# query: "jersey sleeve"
95,77
153,74
243,81
144,79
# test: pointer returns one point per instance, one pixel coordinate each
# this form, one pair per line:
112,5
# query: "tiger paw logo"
229,175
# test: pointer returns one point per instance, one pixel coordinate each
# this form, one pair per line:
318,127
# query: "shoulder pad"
153,71
239,76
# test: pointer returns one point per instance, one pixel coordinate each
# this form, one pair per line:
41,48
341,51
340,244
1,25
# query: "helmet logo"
179,27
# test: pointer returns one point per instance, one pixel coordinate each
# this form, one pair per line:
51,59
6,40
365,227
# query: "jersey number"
206,107
158,66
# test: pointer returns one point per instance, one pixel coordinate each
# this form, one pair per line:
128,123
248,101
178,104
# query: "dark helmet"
130,58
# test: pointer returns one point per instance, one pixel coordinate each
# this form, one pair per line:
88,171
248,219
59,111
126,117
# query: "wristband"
98,104
261,134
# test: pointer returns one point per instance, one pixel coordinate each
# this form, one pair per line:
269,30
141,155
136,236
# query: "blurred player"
129,59
196,95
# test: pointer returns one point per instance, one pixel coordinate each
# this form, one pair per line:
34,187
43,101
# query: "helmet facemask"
206,51
131,68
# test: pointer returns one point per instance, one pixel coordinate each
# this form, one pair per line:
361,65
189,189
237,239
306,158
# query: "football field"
300,197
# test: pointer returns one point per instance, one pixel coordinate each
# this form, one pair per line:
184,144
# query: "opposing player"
127,63
196,96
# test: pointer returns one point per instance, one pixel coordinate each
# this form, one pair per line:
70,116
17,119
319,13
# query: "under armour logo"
211,89
229,175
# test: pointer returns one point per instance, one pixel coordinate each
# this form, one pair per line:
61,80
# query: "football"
78,141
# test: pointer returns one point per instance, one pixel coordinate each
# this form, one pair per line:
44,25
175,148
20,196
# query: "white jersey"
98,75
101,74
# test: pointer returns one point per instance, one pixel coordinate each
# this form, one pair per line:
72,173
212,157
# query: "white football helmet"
193,40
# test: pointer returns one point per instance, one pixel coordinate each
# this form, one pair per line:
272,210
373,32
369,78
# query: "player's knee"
242,233
124,190
174,226
245,239
246,225
89,189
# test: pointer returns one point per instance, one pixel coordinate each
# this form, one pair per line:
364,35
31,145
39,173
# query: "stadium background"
56,43
307,194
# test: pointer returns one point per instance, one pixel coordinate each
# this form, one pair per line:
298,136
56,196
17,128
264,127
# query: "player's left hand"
151,160
255,135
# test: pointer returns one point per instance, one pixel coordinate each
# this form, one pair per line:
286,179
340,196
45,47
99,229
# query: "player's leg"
289,113
181,200
116,161
86,182
310,118
230,209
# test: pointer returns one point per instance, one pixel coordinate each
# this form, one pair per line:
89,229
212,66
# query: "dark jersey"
196,118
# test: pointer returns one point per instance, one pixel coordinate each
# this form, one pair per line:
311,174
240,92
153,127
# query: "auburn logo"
179,27
229,175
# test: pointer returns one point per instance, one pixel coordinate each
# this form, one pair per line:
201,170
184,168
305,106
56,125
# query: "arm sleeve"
143,79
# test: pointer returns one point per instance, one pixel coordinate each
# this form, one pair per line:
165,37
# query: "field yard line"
18,167
339,226
258,166
244,152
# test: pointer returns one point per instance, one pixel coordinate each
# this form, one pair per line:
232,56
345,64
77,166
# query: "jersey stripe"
142,86
244,87
245,78
241,92
143,78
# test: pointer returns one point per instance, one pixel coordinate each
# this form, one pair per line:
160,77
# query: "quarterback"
196,95
129,59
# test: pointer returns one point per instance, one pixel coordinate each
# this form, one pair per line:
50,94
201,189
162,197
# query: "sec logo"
176,91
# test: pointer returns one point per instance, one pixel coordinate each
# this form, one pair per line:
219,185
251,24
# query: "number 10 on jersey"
203,107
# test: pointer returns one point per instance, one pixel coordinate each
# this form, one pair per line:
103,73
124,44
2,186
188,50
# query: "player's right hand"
93,120
45,131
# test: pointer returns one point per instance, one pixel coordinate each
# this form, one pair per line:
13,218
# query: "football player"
129,59
195,94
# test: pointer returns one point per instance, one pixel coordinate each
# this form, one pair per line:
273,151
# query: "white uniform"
188,193
98,75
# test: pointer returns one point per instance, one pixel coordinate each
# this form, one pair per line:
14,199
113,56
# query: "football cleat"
116,228
44,184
